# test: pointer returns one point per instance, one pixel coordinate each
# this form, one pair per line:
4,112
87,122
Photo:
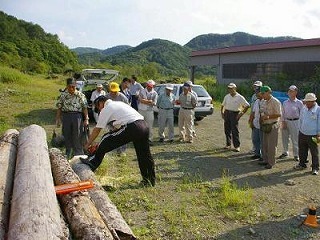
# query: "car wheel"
199,118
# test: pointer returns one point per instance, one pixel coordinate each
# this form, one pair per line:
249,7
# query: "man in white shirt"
233,107
126,125
147,99
94,95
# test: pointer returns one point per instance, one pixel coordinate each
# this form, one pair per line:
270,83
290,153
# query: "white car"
204,106
89,80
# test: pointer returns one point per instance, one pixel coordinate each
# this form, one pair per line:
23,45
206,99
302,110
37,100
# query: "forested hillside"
27,47
169,57
211,40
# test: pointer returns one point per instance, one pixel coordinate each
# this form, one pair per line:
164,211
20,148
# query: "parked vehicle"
204,106
89,80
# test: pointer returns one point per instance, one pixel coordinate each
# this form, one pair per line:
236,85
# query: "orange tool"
71,187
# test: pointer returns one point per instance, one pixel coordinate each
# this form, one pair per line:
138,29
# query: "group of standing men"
298,120
126,111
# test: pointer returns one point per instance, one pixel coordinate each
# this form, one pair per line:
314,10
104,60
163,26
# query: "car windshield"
94,76
200,91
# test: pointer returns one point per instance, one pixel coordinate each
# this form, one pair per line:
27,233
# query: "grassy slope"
27,100
180,207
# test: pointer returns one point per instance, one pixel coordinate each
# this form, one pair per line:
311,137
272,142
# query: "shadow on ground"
212,164
38,116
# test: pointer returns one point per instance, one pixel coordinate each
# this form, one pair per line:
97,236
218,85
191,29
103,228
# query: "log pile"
30,208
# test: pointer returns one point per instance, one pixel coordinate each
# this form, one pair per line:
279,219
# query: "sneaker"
237,149
161,140
255,157
315,172
87,161
189,141
283,155
227,147
171,141
296,158
181,140
299,167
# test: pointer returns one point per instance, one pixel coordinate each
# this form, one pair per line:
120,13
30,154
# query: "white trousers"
166,117
292,132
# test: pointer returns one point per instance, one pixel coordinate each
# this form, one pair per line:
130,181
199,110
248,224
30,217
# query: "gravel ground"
282,193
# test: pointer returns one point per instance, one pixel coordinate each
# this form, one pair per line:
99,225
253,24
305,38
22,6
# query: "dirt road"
281,193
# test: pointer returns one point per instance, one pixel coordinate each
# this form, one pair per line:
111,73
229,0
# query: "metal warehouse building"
296,59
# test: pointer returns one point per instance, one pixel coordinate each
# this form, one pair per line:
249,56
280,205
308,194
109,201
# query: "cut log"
34,210
8,154
81,214
107,209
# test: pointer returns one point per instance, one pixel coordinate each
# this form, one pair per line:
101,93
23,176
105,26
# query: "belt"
187,108
292,119
72,112
231,111
165,108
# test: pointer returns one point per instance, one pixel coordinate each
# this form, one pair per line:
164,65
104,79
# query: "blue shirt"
310,120
165,101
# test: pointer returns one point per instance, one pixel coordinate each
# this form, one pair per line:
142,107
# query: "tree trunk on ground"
34,207
82,215
107,209
8,154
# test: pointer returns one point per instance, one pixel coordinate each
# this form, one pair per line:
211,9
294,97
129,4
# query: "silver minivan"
204,106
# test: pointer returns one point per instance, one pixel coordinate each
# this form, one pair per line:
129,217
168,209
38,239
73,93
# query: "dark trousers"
72,130
134,102
305,144
136,132
231,130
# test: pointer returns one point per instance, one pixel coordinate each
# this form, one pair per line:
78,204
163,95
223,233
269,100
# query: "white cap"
190,83
99,85
169,87
257,84
293,88
150,83
310,97
232,85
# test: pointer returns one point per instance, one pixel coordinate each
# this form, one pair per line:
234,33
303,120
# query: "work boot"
87,161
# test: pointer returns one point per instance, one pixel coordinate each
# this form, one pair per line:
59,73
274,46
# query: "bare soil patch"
281,193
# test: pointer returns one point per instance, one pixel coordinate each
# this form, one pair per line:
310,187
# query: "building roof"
259,47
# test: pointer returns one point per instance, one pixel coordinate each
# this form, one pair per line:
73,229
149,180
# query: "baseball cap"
264,89
169,87
190,83
71,81
293,88
150,83
186,85
257,84
232,85
99,85
114,87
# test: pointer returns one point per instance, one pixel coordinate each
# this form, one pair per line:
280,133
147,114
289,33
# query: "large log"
34,210
82,215
8,154
107,209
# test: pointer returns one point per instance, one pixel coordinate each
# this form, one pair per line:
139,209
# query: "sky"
107,23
